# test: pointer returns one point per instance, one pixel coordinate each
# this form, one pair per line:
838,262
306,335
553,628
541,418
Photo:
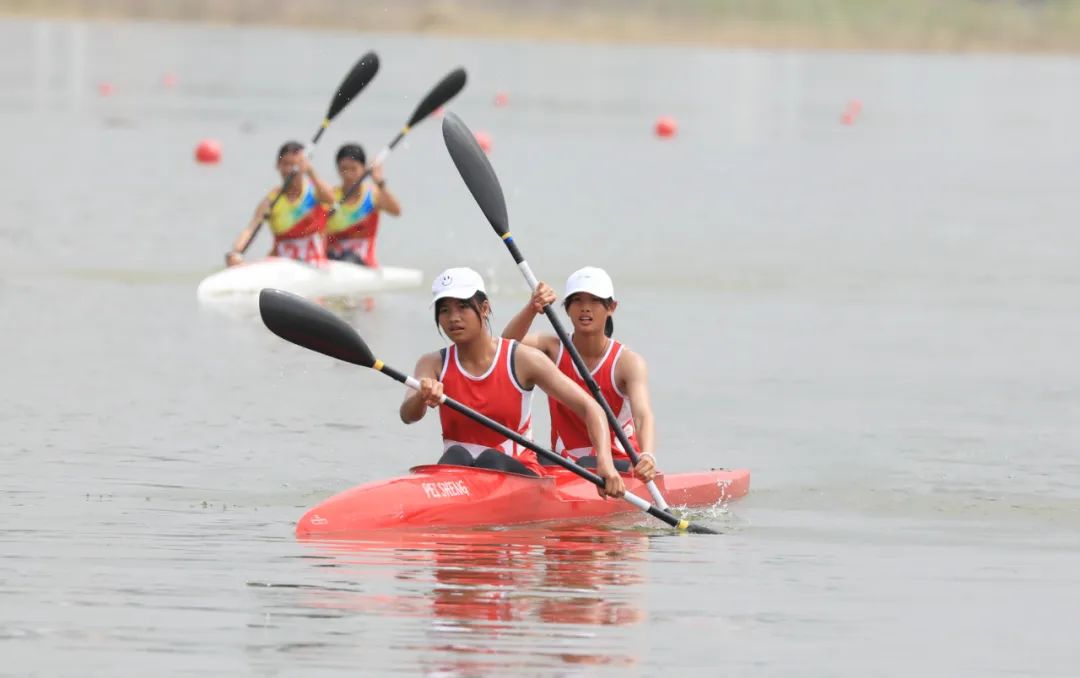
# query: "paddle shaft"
479,177
579,364
637,501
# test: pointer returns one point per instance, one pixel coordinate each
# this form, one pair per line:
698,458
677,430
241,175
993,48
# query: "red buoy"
851,113
501,99
666,127
105,88
484,139
208,152
169,80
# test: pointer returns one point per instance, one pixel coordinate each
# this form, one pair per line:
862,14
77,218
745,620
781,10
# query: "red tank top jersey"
569,437
496,394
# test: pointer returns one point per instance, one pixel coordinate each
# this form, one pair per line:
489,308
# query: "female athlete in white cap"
494,376
620,373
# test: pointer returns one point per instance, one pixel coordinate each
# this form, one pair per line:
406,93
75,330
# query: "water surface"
879,320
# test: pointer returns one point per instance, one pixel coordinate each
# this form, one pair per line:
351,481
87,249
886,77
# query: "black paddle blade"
446,90
307,324
358,78
474,168
700,529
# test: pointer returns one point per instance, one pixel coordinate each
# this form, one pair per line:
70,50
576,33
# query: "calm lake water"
880,320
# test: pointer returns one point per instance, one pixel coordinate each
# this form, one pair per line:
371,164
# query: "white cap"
590,279
456,283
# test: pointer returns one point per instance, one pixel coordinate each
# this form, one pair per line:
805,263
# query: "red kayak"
456,496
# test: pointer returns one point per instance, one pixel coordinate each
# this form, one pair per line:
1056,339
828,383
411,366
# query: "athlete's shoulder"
430,362
529,356
532,366
520,348
630,362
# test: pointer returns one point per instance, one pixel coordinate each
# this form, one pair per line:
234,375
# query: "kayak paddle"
479,176
358,78
311,326
440,94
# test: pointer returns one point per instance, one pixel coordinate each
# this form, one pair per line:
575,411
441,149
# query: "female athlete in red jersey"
620,373
494,376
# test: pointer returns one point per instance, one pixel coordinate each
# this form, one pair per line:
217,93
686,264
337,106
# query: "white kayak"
333,278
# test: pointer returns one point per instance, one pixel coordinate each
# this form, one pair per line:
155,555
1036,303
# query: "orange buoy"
105,88
484,139
855,106
208,152
501,99
666,127
169,80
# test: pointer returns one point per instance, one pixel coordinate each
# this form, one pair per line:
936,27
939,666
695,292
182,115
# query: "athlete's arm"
519,325
324,192
632,377
244,239
414,406
534,369
384,199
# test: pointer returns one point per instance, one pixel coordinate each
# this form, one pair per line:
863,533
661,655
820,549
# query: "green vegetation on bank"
941,25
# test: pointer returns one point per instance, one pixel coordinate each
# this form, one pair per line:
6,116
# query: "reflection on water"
512,598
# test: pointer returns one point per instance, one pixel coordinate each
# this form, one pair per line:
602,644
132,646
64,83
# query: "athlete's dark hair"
354,151
288,148
609,326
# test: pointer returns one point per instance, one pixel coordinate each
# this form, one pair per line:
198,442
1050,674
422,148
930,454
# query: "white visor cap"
456,283
592,280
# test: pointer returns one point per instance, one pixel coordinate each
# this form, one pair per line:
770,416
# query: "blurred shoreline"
1049,26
